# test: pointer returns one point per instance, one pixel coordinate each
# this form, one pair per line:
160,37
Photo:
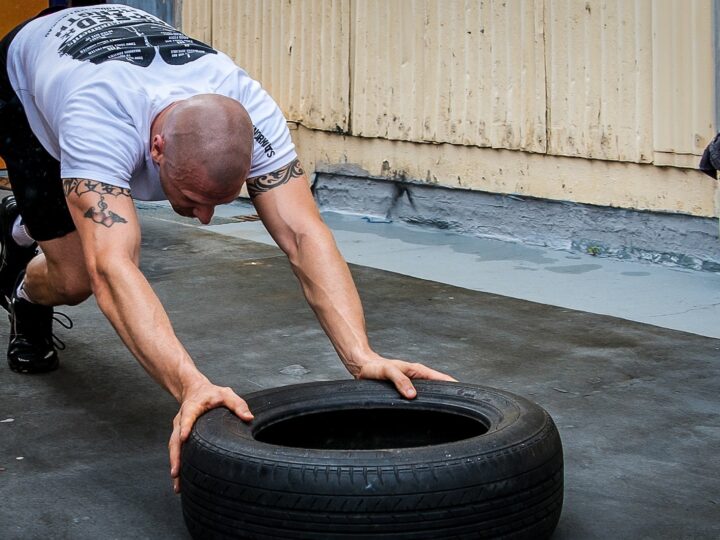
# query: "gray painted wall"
673,239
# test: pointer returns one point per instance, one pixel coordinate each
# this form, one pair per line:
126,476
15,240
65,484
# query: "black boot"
31,348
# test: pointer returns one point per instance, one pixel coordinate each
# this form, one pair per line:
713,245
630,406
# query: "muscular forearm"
127,300
330,291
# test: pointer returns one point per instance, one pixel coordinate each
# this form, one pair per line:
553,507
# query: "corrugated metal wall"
683,75
625,80
457,71
299,50
196,19
599,79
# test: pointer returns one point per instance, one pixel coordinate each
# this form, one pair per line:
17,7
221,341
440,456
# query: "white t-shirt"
92,80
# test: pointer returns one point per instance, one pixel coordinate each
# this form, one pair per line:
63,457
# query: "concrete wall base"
674,239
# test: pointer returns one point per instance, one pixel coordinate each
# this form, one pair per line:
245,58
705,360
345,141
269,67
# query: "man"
103,104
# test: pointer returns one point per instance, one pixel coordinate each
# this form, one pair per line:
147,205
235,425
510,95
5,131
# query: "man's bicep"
286,206
261,184
104,216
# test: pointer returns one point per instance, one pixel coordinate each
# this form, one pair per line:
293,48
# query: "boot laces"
64,321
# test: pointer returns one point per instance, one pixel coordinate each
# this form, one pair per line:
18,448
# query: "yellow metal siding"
599,57
683,90
621,80
461,72
196,19
298,50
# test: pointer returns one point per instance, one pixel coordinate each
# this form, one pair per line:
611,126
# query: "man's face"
187,186
190,195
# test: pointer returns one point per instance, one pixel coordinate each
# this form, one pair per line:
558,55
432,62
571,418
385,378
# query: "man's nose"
204,213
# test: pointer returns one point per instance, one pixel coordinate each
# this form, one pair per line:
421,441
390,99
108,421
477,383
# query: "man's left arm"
286,206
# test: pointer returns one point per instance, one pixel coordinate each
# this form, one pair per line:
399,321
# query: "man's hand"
196,401
400,373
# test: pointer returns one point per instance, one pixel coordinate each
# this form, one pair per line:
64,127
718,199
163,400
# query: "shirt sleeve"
98,141
273,148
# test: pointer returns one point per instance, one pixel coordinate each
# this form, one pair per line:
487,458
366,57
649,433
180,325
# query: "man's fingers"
420,371
184,421
174,447
400,374
189,413
243,412
237,405
401,381
174,455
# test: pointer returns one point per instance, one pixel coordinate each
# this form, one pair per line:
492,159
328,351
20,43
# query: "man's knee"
74,290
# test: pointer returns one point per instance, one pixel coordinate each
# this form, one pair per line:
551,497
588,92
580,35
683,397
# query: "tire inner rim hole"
371,429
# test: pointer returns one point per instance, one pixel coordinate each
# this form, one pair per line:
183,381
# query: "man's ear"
157,148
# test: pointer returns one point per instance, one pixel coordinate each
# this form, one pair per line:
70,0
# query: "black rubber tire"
505,483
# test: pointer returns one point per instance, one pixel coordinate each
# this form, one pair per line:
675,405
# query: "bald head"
208,139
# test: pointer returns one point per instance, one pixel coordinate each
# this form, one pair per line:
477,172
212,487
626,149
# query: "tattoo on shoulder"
266,182
95,192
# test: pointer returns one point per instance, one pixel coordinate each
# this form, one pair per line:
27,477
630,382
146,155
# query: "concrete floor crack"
694,308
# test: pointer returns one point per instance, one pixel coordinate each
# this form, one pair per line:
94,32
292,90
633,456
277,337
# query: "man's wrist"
359,358
189,378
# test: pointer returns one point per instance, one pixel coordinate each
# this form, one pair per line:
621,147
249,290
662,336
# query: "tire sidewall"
519,432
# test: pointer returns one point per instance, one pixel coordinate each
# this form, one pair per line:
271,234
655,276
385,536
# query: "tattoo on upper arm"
93,190
266,182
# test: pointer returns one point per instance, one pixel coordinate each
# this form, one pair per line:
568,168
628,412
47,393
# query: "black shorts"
33,173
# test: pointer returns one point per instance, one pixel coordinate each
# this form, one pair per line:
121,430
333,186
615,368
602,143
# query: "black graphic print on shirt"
125,34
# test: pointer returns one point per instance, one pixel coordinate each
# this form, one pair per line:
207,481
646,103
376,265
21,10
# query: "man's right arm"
106,221
109,231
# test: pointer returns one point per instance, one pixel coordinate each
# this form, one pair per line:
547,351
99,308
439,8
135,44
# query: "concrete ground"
83,450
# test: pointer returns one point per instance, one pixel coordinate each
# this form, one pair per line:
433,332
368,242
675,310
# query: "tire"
353,460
